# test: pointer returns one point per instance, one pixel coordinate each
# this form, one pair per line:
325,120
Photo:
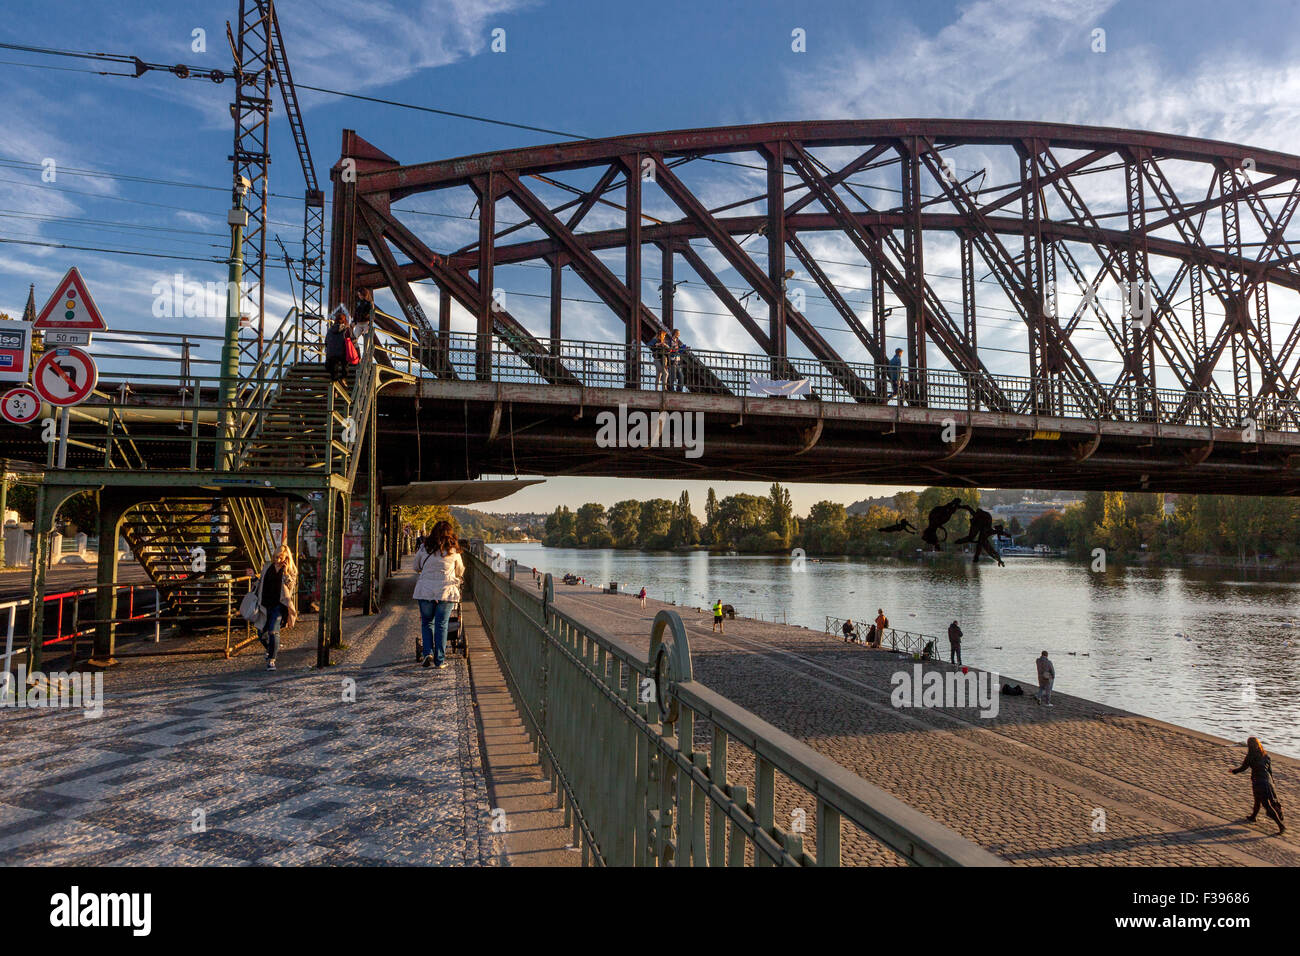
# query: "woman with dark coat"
336,347
1261,783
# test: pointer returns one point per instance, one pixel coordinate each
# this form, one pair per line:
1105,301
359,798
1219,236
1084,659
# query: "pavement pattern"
1078,784
199,761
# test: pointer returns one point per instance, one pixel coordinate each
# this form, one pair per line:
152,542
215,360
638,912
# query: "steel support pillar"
632,273
112,509
487,215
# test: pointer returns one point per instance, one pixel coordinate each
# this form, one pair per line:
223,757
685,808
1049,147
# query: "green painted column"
112,510
342,521
39,556
327,572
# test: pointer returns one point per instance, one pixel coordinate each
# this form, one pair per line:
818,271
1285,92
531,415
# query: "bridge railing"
615,365
653,768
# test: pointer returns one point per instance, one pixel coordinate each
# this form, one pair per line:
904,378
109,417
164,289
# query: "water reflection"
1217,650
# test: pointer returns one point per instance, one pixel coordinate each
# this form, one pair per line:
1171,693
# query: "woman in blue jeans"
439,572
278,595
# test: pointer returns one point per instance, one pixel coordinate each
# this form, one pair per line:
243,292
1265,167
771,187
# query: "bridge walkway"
1024,784
280,767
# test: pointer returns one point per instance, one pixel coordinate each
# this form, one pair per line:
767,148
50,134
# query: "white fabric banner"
778,388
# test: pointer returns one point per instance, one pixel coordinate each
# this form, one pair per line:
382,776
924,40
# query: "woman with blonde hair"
439,571
277,587
1261,783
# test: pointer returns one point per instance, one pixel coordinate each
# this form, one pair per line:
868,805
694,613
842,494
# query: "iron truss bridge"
1090,307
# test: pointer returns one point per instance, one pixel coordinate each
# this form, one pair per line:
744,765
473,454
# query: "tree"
560,527
781,514
826,530
684,532
591,530
742,522
625,523
656,521
932,497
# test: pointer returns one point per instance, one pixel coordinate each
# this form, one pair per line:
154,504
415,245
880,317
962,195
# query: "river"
1216,650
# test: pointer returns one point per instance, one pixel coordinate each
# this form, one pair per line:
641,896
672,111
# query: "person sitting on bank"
848,630
279,600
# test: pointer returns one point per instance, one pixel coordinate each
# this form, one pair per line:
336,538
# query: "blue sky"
587,67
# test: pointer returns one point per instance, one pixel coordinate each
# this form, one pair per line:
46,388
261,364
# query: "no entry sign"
20,405
65,376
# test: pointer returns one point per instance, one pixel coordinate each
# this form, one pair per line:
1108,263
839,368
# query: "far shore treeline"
1210,528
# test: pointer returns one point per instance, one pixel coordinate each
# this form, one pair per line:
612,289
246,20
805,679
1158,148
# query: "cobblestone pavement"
1029,784
223,762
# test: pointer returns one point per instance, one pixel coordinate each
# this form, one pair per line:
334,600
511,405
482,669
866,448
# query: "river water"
1216,650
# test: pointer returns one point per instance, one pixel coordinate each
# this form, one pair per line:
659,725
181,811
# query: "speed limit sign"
20,405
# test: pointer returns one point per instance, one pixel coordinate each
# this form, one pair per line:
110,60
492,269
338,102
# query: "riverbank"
1081,783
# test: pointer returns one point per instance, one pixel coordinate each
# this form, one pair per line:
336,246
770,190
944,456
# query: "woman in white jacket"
439,571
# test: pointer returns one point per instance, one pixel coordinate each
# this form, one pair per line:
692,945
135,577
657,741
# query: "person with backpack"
882,622
1261,783
954,643
277,589
895,373
440,570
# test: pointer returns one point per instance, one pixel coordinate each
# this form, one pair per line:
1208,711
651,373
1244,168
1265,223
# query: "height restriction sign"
65,376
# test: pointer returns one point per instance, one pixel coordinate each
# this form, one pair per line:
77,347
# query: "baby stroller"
455,636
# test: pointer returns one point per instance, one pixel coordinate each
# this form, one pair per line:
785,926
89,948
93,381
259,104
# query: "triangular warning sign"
71,307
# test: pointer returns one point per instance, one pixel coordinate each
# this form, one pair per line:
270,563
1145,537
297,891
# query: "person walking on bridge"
1261,783
895,373
954,643
1046,678
440,571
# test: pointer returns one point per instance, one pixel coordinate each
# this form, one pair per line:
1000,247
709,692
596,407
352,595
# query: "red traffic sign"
65,376
20,405
71,307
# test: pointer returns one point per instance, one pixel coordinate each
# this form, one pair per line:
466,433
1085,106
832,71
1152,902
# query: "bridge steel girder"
1152,222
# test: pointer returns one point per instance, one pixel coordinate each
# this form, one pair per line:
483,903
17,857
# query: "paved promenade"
203,761
1027,784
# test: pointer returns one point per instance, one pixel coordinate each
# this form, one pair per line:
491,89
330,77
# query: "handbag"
250,608
350,351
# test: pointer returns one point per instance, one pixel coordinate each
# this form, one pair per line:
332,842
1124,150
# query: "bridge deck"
1023,784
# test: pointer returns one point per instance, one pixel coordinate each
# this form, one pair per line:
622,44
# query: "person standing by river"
882,622
1046,677
717,615
1261,783
641,596
954,643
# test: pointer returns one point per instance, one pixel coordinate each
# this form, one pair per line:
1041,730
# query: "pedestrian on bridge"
440,570
1261,783
954,643
659,349
675,354
278,594
895,373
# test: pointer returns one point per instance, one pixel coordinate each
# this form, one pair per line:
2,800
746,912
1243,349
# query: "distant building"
1026,511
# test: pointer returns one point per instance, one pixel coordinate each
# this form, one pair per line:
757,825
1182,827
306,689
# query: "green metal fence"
653,768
